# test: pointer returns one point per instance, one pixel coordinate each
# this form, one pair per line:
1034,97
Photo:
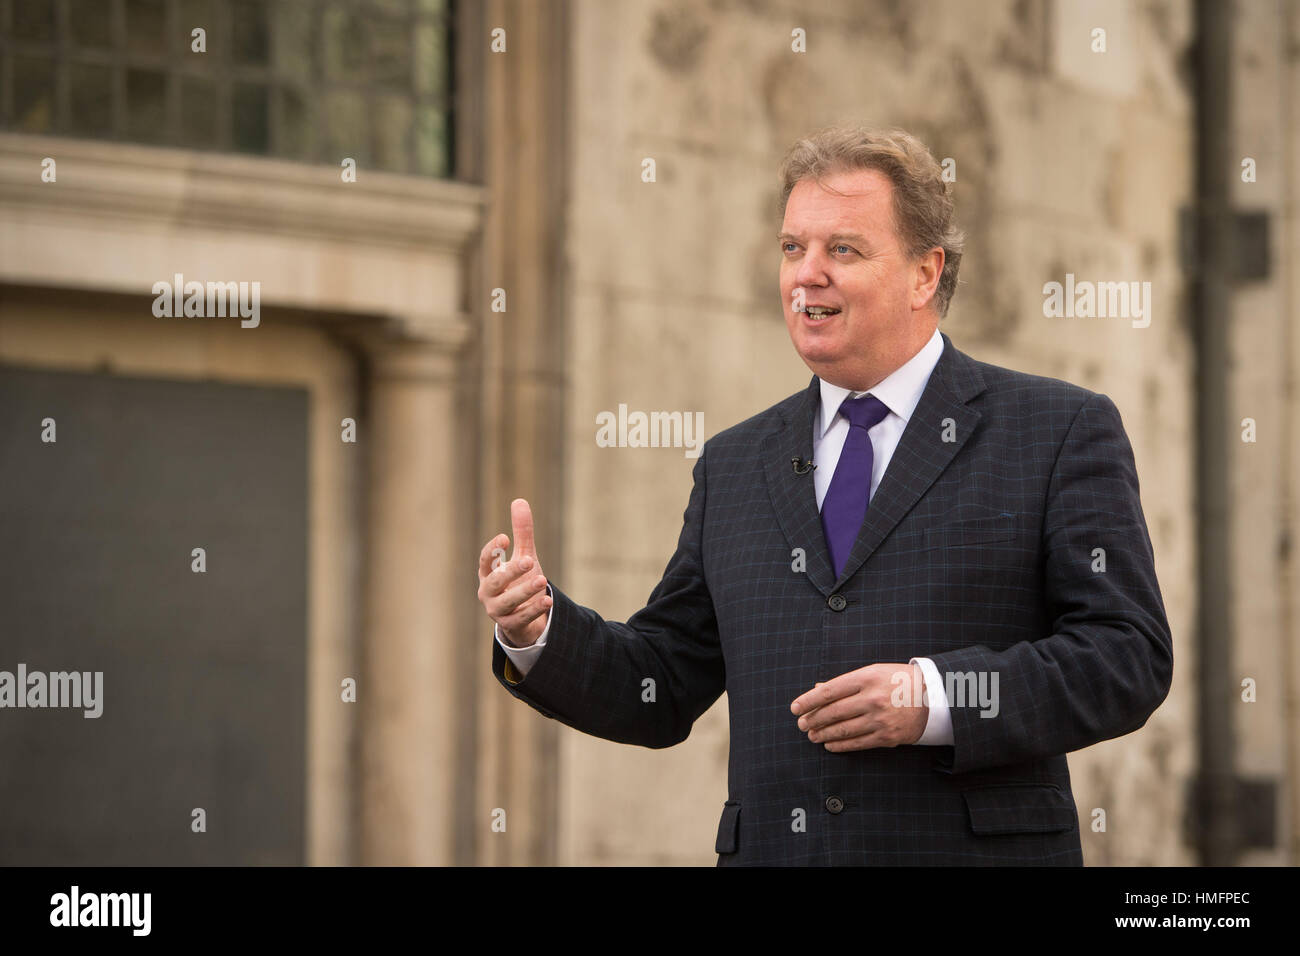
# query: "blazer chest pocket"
974,531
1028,808
728,828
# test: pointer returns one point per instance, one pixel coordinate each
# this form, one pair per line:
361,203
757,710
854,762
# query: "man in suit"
922,580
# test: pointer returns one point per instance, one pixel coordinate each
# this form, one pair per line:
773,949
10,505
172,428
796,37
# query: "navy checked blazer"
979,550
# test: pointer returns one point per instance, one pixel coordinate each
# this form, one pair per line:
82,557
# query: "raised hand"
514,592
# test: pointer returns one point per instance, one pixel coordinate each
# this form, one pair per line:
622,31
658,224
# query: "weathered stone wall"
1265,362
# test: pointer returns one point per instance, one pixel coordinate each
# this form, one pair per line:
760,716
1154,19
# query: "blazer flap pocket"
728,828
974,531
1029,808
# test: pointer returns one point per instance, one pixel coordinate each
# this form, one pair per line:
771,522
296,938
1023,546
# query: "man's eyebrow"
836,237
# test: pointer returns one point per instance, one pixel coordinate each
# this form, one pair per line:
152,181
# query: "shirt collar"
900,391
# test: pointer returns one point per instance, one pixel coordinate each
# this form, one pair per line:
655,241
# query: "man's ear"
929,268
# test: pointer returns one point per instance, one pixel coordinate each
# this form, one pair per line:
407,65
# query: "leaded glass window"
307,80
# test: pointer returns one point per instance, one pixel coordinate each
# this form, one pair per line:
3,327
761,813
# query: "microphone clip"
802,466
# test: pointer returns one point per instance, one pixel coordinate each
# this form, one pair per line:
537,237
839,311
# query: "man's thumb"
521,521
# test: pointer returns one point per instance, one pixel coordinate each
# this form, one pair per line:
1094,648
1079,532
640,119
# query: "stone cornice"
218,191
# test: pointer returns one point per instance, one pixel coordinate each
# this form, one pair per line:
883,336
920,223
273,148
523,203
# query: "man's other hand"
881,705
513,592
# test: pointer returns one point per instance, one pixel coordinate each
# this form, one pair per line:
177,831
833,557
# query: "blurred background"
265,537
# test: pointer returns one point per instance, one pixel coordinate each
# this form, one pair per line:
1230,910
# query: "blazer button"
836,602
834,804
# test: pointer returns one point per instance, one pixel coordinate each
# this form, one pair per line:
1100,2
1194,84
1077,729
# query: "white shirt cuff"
938,725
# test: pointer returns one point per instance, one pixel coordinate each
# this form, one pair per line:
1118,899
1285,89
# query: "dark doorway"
204,687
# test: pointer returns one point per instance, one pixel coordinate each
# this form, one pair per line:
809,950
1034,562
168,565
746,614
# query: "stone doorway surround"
362,291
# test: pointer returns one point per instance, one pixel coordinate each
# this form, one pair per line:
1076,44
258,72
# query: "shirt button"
834,804
836,602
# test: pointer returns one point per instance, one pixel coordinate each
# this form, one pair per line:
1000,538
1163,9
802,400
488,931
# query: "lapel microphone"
802,467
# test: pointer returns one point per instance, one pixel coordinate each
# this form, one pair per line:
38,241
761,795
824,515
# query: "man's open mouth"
819,311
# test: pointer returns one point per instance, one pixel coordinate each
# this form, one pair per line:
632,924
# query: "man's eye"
847,249
787,247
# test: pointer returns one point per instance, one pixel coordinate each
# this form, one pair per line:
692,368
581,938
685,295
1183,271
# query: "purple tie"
845,505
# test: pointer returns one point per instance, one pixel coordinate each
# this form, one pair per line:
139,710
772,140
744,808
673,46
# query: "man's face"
839,248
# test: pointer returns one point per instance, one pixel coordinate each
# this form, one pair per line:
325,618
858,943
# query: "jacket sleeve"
641,682
1108,662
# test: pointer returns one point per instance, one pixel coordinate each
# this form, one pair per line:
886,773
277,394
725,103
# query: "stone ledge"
220,191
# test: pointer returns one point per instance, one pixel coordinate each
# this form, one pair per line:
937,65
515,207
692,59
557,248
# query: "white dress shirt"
900,392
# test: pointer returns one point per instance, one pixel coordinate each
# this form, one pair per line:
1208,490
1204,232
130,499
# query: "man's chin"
821,366
818,356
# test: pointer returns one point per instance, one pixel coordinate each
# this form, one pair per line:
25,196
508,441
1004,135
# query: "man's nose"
812,270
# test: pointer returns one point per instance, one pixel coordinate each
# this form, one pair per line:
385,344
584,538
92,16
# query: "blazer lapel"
794,496
922,453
